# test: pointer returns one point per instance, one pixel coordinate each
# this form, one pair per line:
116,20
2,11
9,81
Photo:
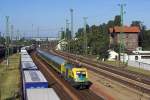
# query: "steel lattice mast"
122,36
71,12
85,35
7,38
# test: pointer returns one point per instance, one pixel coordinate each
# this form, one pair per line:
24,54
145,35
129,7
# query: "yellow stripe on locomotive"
77,76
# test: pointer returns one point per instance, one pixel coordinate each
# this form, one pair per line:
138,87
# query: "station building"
129,36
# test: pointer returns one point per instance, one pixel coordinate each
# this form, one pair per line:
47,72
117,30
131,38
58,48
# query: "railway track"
134,80
126,73
62,88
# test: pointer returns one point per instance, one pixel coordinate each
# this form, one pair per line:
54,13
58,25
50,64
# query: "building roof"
125,29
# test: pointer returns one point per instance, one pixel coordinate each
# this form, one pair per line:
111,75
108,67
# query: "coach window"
136,57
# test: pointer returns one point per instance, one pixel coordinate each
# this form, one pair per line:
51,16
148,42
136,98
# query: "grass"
10,78
142,71
114,63
130,68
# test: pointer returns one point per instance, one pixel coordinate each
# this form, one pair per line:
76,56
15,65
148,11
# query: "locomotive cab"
80,78
80,74
77,76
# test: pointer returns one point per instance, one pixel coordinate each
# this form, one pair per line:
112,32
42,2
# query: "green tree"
2,40
136,23
110,23
79,33
117,20
146,40
142,29
68,34
62,35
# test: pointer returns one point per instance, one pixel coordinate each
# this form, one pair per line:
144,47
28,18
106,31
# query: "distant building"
137,58
130,36
113,56
42,38
140,56
62,45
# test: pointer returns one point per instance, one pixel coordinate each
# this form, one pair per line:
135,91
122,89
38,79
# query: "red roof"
125,29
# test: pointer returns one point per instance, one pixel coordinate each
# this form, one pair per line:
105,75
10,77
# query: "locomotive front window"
81,74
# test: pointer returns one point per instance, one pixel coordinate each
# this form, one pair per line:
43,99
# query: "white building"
113,56
61,45
44,38
138,58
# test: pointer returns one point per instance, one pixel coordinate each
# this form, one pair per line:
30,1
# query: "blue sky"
50,15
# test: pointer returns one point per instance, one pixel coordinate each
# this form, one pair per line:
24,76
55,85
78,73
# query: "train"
77,76
34,84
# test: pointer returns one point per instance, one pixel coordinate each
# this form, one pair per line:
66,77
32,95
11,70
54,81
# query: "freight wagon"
34,84
41,94
28,65
34,79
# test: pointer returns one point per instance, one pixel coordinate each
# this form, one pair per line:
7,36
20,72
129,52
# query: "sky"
50,15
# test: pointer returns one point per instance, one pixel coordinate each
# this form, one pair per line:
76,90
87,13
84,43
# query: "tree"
68,34
98,37
146,40
62,35
142,29
110,24
2,40
136,23
117,20
79,33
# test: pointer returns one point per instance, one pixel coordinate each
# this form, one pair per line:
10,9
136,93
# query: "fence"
139,65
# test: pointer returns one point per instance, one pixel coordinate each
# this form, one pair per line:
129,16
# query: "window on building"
145,57
136,57
127,35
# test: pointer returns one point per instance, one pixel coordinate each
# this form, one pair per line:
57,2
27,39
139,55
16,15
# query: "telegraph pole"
18,35
67,28
122,38
61,34
38,30
32,32
12,32
67,35
7,41
85,35
11,38
72,33
71,12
